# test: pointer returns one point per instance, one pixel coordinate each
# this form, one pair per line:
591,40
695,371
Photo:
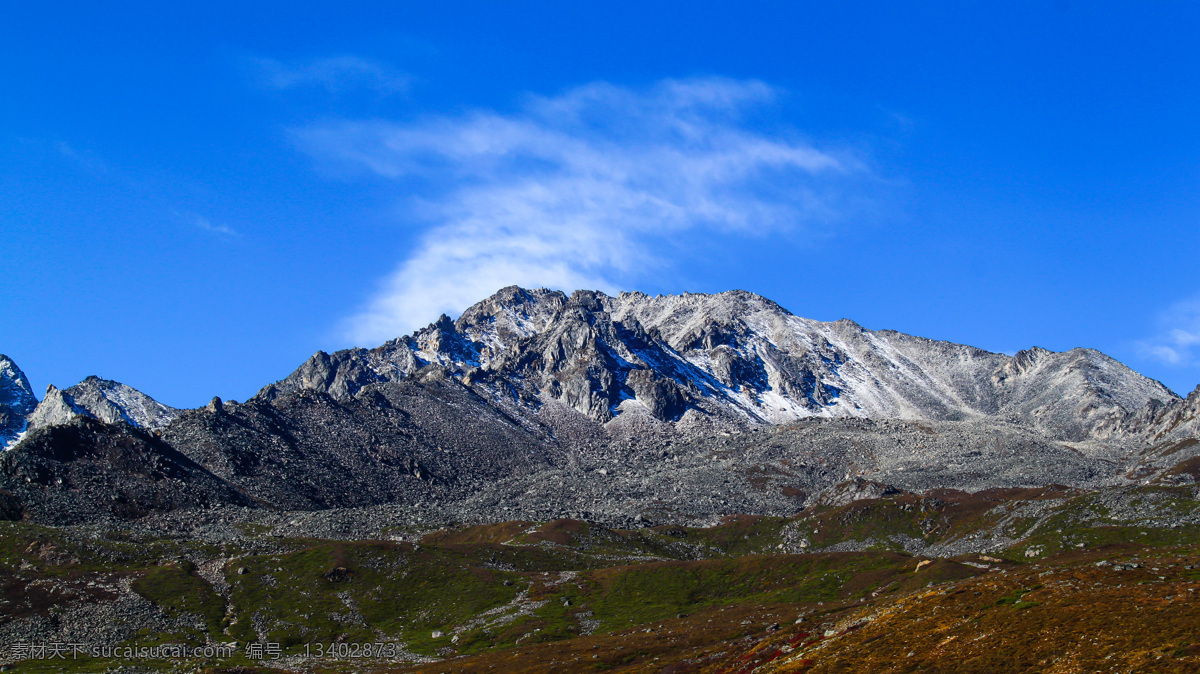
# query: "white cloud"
1178,340
334,74
580,190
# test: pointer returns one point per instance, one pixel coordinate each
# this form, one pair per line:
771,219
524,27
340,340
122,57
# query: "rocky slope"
85,470
1018,578
1172,422
418,439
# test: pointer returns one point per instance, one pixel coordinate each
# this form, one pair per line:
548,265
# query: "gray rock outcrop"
109,401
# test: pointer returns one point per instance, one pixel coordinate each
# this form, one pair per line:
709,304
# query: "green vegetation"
633,595
1016,600
520,584
177,587
351,591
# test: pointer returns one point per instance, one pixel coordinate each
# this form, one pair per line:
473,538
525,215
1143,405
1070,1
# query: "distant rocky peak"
16,401
114,402
1175,419
109,401
1021,363
1027,359
681,320
15,393
514,313
57,407
588,300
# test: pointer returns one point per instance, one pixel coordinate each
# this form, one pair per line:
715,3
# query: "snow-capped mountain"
743,358
16,401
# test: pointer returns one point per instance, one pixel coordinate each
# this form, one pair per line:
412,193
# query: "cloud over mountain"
1178,340
583,189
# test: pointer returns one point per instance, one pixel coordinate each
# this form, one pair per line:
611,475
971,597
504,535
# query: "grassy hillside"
1031,580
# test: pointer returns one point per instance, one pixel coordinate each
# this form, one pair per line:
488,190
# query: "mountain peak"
109,401
16,401
738,357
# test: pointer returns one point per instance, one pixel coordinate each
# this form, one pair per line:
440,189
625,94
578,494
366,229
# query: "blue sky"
194,199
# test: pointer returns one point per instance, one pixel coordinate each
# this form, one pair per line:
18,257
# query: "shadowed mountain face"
85,469
537,405
421,438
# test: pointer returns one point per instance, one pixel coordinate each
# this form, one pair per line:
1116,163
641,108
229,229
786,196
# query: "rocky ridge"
743,359
1170,422
537,405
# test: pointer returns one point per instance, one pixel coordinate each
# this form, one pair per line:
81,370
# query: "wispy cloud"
209,226
1178,340
334,74
143,191
87,161
581,189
